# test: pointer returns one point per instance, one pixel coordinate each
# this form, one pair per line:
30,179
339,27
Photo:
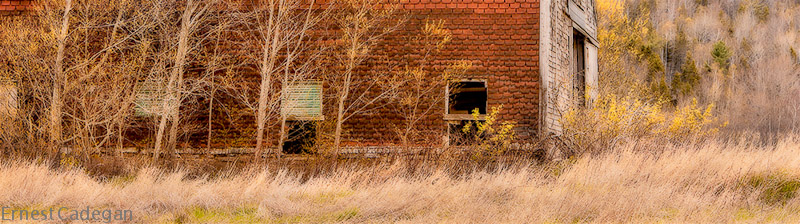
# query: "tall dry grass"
714,181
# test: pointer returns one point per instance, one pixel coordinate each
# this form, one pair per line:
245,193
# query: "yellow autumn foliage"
693,121
490,136
614,120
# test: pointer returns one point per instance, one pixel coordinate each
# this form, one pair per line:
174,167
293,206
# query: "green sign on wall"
149,98
303,101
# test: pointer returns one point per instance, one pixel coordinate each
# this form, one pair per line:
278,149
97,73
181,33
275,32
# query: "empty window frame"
149,98
578,64
464,97
302,106
302,101
300,137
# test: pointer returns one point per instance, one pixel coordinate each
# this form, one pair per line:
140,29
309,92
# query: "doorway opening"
300,137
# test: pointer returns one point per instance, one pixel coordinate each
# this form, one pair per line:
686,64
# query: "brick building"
537,58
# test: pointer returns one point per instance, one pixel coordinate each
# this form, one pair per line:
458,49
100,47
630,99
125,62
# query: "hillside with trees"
740,56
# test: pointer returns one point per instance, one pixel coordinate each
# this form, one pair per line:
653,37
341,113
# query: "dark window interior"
300,137
466,96
579,68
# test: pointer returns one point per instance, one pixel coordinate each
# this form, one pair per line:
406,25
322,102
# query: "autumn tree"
422,82
74,64
279,45
362,25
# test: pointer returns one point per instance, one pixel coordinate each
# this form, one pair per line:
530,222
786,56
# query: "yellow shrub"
614,120
692,122
611,120
490,136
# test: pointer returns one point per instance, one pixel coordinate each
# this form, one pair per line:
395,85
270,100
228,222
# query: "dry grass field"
716,181
681,83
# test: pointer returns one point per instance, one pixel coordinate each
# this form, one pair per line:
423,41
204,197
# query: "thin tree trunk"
285,84
351,63
263,97
269,57
172,102
283,135
340,113
118,153
175,122
58,83
162,125
210,112
261,115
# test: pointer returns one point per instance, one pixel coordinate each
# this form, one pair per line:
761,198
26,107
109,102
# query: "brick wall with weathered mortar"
14,7
499,37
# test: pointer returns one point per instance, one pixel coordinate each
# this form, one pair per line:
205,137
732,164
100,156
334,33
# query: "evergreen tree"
722,55
688,78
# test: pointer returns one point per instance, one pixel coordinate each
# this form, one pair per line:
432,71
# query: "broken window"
579,68
149,98
464,98
8,98
300,137
302,106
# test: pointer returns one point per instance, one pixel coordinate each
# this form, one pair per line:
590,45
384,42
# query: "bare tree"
215,62
59,80
101,89
194,14
424,85
363,24
83,58
281,36
28,56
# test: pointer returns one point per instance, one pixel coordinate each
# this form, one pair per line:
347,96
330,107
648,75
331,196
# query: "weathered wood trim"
592,73
544,57
579,18
463,117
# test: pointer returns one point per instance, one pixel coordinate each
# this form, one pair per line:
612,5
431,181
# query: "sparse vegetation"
639,181
613,121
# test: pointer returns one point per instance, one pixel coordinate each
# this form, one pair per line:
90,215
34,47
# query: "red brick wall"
500,38
14,7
